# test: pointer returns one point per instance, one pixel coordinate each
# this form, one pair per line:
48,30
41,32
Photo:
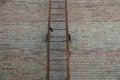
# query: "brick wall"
23,25
95,44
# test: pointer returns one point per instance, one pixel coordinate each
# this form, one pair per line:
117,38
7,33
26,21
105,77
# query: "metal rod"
48,41
67,43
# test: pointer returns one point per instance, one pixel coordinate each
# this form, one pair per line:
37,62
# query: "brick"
94,29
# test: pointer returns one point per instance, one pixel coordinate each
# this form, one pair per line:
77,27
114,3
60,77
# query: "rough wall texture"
94,26
22,40
95,46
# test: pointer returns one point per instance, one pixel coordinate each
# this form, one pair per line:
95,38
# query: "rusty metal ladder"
58,41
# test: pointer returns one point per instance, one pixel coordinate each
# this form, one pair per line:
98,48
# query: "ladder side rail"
48,41
67,42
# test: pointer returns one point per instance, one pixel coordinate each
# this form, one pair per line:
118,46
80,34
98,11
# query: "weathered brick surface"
95,45
95,65
22,40
94,10
95,39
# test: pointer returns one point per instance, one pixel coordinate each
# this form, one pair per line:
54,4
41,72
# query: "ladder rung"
57,69
58,37
58,21
58,41
64,68
62,48
59,29
58,50
58,1
59,60
57,14
57,8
